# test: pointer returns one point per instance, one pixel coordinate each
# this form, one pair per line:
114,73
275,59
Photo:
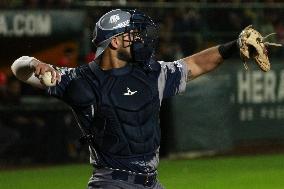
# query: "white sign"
26,25
260,95
257,87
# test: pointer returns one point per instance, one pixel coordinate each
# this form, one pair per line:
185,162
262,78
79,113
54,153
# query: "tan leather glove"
253,45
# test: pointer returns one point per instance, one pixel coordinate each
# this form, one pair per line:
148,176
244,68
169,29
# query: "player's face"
123,52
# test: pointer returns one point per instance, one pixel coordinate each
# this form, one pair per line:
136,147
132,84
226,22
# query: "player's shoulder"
168,64
83,70
80,90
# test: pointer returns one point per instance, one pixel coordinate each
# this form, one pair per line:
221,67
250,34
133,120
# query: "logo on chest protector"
129,92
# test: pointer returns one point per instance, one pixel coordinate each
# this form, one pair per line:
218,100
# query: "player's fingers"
41,69
53,76
37,71
58,77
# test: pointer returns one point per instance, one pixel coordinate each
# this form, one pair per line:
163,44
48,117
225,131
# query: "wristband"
228,49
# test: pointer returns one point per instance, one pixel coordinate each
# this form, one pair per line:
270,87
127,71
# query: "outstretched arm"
28,69
209,59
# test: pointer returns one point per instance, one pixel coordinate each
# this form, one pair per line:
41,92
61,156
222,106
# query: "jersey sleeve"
172,79
67,75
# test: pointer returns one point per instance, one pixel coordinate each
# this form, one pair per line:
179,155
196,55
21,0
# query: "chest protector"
126,113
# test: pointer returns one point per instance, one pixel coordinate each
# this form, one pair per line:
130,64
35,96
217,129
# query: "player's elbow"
21,68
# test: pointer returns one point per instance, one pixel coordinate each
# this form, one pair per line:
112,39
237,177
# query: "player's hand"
254,46
40,68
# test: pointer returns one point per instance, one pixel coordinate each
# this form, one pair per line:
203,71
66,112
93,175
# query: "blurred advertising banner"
41,23
259,103
230,107
52,35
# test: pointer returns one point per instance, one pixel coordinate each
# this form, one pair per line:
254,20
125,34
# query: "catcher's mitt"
252,44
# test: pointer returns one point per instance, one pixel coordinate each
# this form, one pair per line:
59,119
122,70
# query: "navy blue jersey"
120,109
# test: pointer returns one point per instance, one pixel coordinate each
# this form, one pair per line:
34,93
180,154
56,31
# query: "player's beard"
124,55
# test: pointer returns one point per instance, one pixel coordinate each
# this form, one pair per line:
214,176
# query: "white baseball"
46,79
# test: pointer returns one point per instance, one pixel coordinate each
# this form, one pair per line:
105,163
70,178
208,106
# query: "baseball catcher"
116,98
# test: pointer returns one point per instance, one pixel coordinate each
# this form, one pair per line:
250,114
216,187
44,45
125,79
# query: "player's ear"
115,43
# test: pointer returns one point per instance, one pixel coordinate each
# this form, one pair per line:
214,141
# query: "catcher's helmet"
120,21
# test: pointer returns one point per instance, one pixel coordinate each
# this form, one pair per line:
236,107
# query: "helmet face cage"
144,36
143,28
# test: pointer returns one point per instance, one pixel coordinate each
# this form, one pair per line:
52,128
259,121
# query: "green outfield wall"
229,107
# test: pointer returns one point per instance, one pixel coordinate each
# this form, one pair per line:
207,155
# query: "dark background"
206,119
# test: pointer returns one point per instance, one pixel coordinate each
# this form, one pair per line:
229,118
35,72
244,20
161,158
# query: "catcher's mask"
143,30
